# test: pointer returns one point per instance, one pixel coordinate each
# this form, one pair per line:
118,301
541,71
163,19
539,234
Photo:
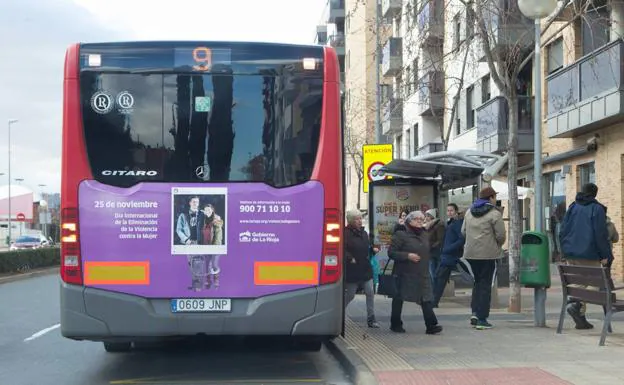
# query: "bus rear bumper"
100,315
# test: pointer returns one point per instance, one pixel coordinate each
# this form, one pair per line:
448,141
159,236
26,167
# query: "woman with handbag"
410,252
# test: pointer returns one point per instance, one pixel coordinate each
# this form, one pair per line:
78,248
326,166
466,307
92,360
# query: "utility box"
534,260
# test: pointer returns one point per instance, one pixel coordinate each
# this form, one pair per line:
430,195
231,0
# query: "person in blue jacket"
452,251
585,240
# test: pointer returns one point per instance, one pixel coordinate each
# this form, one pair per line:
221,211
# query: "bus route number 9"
203,58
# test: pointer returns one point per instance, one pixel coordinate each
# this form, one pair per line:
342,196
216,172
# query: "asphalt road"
33,352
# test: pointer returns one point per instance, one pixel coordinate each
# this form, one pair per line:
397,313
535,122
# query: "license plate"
201,305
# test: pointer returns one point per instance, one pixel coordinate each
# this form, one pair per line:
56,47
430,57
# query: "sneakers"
434,329
483,325
373,324
473,320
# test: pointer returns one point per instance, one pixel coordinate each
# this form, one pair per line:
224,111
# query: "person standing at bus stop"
358,267
409,250
484,232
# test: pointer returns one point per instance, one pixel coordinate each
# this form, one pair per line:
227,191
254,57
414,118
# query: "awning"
448,173
503,191
458,168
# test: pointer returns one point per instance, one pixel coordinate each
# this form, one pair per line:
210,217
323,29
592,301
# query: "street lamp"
537,10
43,206
10,121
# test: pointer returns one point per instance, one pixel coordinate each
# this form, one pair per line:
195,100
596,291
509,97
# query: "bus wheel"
308,345
117,347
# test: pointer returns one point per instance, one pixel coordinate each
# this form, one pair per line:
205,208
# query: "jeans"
442,277
427,309
483,270
434,263
369,291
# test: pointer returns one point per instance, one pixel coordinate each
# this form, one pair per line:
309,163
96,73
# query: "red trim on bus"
74,164
328,167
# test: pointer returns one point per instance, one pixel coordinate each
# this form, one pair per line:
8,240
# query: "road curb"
30,274
355,367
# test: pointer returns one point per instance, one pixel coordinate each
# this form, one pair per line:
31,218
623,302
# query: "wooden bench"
600,292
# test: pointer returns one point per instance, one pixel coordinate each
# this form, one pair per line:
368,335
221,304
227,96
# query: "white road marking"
42,332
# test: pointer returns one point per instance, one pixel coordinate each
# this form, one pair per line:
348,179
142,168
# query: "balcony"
321,34
431,24
586,95
509,31
390,8
430,148
432,93
337,41
336,11
492,129
392,57
392,116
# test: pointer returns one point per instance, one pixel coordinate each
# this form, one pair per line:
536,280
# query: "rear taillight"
71,269
331,266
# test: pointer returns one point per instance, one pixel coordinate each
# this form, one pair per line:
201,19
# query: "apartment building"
583,117
583,131
351,29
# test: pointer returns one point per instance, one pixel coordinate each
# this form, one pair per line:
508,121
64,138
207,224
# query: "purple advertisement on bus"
235,240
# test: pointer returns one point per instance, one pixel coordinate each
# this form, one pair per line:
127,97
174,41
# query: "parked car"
30,242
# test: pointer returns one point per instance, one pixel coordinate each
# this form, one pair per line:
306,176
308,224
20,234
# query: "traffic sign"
374,157
20,217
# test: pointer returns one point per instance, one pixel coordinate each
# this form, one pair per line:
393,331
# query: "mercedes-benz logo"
199,171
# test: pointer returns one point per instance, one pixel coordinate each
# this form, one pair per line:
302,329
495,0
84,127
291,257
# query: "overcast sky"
35,33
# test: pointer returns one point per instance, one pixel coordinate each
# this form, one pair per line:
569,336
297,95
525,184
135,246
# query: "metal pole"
11,121
377,71
539,294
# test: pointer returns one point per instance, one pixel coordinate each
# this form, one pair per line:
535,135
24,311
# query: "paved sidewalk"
514,352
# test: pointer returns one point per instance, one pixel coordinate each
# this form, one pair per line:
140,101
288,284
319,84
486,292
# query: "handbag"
388,283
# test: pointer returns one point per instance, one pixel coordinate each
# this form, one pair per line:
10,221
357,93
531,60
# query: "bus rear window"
209,127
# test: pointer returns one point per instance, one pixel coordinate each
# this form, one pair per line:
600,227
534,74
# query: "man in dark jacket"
452,251
358,268
584,238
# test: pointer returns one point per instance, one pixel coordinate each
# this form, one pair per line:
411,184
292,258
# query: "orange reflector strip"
117,273
286,273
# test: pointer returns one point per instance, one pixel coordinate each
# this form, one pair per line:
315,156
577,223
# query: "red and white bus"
201,192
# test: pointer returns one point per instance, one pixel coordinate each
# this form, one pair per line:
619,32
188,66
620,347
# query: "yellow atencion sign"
375,156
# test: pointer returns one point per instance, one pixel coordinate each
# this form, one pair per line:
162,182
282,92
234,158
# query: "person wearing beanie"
358,267
435,229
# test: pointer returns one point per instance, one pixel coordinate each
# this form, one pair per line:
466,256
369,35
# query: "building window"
555,199
555,55
595,29
470,107
399,85
408,83
470,23
457,126
457,32
415,73
586,174
348,176
486,93
408,142
415,143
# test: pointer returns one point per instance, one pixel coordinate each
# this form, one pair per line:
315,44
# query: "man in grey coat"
484,231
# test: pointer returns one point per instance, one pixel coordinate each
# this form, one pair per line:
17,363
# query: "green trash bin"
534,260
